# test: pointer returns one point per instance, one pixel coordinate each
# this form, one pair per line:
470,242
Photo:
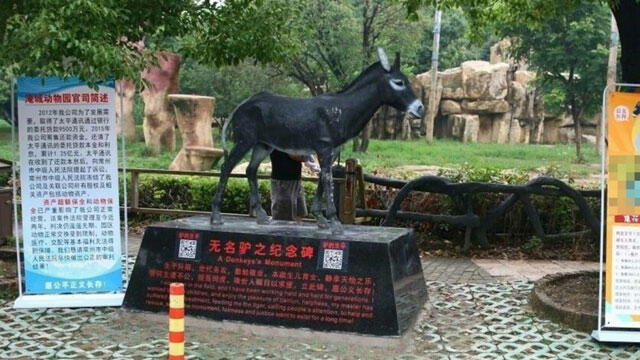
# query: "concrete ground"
477,309
531,270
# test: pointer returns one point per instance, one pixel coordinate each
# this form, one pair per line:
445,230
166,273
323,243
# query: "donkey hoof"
263,220
323,223
215,219
337,229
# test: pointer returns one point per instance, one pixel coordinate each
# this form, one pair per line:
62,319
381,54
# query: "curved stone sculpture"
159,122
125,89
194,115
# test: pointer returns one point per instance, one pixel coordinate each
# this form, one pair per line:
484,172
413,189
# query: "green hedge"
4,178
194,193
558,214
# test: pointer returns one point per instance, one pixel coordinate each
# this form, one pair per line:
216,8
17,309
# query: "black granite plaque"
368,280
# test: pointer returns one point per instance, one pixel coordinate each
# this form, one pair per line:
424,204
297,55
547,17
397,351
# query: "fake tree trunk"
159,121
125,89
366,135
194,115
611,74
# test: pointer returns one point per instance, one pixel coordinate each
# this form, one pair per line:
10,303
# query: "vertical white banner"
69,182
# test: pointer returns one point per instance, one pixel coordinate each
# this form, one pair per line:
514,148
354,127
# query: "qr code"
332,259
187,249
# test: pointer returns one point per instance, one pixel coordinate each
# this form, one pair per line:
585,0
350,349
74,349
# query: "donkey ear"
396,63
384,60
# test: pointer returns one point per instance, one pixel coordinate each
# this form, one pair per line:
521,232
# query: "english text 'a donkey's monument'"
359,279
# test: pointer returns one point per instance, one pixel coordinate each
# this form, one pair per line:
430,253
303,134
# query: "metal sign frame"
604,334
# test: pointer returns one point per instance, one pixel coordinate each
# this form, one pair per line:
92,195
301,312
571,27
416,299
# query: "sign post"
620,239
69,196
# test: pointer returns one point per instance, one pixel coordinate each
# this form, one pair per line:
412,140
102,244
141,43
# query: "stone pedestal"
194,115
159,122
368,280
125,89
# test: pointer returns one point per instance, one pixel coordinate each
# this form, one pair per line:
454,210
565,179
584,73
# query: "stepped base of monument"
367,281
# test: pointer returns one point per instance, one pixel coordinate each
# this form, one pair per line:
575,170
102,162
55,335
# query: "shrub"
195,193
5,178
557,214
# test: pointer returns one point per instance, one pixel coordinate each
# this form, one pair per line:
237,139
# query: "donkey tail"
223,136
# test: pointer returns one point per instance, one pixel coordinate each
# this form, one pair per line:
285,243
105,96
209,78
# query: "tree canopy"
97,39
569,52
338,39
485,14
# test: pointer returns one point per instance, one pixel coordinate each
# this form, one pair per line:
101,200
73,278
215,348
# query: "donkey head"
395,89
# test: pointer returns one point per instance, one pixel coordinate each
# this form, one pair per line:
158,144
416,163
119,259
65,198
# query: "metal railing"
476,226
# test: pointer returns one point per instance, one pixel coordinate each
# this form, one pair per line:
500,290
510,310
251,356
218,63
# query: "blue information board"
69,186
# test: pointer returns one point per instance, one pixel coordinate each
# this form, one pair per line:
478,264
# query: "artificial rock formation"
159,121
125,89
450,107
464,127
194,115
485,106
480,101
484,81
483,102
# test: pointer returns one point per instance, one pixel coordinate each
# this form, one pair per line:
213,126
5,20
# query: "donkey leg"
260,152
316,207
236,154
327,184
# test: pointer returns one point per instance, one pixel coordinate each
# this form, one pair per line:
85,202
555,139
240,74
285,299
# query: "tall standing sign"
621,236
69,182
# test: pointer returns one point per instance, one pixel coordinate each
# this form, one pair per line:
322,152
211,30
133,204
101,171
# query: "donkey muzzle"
416,109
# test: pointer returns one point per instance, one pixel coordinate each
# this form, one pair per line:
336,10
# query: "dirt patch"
8,282
7,269
502,248
579,293
569,298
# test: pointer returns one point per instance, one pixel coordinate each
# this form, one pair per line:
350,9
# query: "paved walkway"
477,309
532,270
454,270
465,270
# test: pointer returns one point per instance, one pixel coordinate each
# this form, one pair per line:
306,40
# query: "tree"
483,13
383,23
566,40
329,44
96,39
455,47
230,85
339,38
570,52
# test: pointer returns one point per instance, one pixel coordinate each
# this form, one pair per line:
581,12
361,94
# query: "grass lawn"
385,155
5,140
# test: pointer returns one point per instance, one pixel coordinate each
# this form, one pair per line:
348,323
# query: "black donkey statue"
302,126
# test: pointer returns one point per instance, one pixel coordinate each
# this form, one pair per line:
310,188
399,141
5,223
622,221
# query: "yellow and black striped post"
176,321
